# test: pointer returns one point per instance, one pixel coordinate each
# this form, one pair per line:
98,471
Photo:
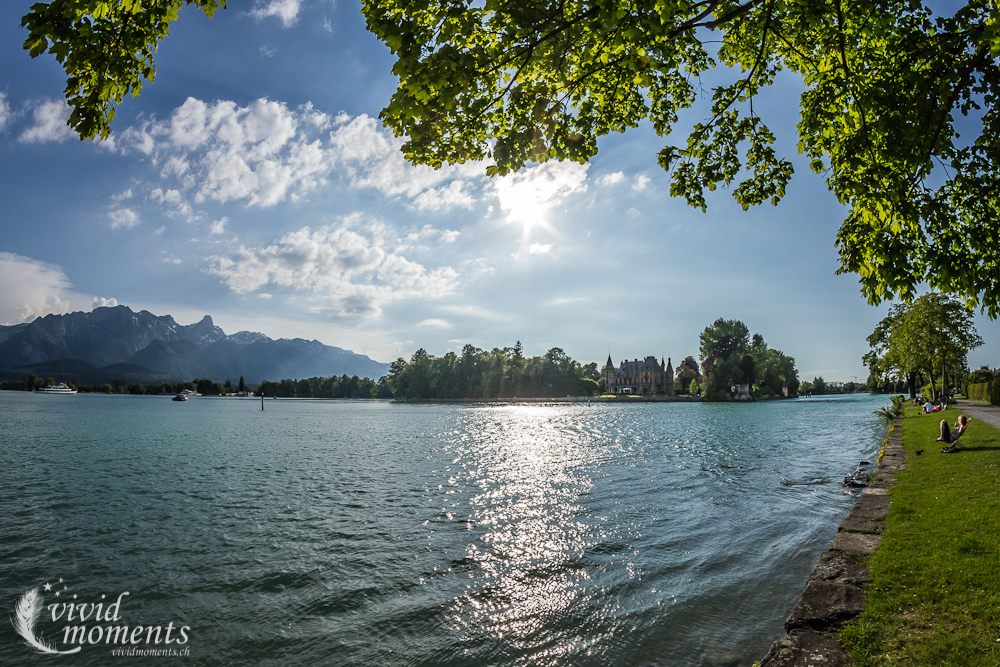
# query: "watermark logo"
95,623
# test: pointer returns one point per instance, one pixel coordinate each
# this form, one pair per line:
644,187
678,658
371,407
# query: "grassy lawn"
935,592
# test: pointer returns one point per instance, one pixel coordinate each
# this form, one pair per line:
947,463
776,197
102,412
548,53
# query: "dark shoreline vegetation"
733,363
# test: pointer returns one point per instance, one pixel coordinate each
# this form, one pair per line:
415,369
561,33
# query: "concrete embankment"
834,593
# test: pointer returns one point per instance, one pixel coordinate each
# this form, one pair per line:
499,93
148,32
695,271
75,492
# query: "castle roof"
635,366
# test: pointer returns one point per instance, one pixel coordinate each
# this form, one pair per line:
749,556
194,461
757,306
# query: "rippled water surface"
370,533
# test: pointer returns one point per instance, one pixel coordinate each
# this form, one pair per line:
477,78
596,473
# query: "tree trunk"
911,382
944,382
930,374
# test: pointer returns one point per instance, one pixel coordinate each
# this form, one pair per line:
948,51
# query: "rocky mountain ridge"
118,335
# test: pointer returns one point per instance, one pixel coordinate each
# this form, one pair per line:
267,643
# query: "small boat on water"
179,397
60,388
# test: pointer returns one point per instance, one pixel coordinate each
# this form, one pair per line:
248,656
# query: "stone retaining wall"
835,593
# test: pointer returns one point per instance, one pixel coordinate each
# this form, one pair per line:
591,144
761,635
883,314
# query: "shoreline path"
988,413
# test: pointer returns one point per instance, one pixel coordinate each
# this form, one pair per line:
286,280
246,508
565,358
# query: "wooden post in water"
261,399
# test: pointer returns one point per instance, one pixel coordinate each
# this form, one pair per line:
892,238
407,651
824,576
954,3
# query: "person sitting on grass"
928,407
952,436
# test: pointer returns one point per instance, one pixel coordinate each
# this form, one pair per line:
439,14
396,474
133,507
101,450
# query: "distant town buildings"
639,377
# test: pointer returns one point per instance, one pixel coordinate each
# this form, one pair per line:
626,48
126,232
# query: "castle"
639,377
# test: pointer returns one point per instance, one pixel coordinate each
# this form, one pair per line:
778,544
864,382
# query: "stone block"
825,605
871,506
861,524
803,648
835,566
856,544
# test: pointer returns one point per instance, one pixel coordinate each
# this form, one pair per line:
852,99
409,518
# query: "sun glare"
528,197
526,210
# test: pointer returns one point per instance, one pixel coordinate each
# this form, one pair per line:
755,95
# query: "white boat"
60,388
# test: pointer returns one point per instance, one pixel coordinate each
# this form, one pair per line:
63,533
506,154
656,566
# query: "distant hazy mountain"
114,336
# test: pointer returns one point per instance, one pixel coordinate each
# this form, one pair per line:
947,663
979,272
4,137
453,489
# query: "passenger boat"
60,388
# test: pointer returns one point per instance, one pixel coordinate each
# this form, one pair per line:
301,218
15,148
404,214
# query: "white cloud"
5,113
139,138
435,199
479,266
351,266
174,199
318,119
434,324
612,178
123,218
285,10
260,154
568,300
175,166
641,181
121,196
430,233
31,289
50,123
265,153
372,158
539,248
218,226
101,302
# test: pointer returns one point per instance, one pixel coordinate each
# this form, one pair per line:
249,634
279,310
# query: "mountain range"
117,343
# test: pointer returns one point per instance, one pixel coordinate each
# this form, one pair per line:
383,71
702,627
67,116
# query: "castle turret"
609,374
669,377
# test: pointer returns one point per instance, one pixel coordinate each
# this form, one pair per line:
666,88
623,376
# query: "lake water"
371,533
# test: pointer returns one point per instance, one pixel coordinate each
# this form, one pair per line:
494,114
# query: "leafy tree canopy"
731,356
532,80
106,48
723,338
932,332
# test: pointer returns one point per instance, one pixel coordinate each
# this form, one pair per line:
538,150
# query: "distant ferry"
60,388
183,395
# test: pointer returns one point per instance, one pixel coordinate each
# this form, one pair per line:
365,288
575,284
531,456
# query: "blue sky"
252,181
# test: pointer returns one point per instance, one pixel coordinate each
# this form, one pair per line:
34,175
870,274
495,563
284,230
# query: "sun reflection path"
531,469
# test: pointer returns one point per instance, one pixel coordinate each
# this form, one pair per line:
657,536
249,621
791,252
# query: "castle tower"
669,379
609,375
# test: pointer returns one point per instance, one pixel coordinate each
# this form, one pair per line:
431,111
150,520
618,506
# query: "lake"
372,533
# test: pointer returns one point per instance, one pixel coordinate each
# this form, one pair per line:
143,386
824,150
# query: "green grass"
934,599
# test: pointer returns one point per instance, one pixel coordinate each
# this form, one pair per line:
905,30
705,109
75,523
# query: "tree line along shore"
912,345
730,357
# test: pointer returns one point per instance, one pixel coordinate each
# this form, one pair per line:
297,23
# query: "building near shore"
646,377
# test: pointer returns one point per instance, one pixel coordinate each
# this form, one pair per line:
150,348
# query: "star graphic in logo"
48,587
